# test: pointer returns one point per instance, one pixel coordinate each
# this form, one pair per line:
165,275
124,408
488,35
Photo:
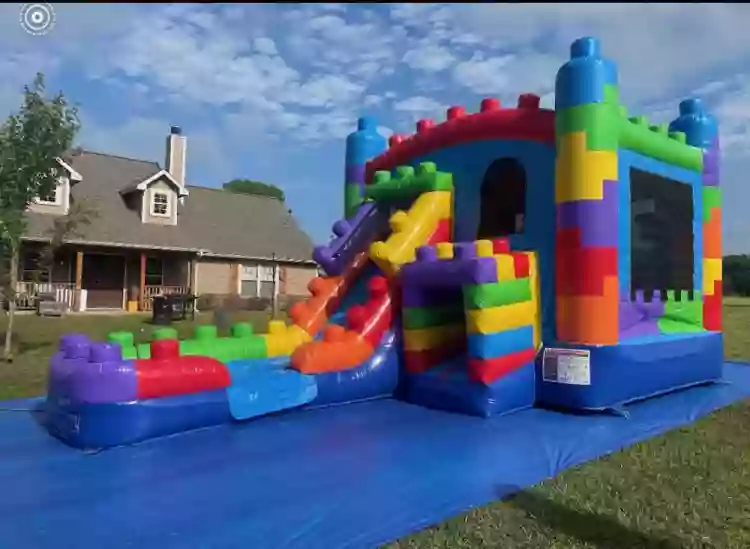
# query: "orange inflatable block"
340,349
590,320
312,314
712,235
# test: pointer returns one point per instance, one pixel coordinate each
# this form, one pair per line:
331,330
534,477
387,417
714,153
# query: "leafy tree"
31,142
737,274
248,186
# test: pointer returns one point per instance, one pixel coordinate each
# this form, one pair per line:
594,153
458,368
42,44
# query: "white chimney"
176,154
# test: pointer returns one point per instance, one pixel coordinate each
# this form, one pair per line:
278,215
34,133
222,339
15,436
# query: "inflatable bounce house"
498,260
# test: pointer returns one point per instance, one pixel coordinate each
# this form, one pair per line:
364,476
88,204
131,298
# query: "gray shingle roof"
211,221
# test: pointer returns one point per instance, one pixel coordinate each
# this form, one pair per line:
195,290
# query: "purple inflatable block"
638,317
597,219
355,174
92,372
645,328
446,273
352,235
711,165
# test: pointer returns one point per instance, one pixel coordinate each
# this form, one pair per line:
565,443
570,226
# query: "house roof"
211,221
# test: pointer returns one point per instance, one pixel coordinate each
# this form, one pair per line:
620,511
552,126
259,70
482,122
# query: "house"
153,234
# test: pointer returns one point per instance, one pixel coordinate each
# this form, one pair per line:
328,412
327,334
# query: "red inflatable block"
500,246
488,370
567,239
521,264
417,362
170,375
713,309
582,271
442,233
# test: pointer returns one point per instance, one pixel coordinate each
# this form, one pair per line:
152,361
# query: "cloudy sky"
269,92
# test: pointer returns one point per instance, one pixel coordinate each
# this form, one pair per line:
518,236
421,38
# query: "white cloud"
265,46
261,79
429,58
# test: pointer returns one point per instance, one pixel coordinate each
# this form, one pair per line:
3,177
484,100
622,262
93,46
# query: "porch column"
142,282
80,304
79,270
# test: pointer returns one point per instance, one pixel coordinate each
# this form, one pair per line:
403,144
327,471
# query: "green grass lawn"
688,489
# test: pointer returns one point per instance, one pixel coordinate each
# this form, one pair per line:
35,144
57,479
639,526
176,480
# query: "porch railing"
28,292
150,292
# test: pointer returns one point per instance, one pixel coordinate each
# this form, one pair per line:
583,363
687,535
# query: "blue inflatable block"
501,343
92,426
635,369
582,79
257,391
447,387
377,377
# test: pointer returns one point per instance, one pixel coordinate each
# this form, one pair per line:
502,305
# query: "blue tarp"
347,477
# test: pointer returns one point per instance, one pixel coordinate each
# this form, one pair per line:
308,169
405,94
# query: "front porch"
87,279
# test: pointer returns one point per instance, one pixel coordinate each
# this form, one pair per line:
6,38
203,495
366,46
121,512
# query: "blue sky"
269,92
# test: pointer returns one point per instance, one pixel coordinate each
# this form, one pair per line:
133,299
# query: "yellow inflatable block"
505,268
282,341
711,273
411,230
534,276
498,319
580,173
484,248
429,338
444,250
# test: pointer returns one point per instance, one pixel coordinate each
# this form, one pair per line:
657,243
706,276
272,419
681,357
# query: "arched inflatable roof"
527,122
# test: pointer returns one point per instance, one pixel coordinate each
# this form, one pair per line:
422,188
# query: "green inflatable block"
242,329
126,341
144,350
206,332
408,183
163,333
711,199
682,316
600,122
416,318
611,95
635,135
352,198
484,296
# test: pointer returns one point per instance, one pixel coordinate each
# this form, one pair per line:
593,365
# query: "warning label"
568,366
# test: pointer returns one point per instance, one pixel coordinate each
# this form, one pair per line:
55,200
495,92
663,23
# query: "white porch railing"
28,292
150,292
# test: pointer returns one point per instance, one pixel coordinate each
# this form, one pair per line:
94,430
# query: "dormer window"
52,198
160,204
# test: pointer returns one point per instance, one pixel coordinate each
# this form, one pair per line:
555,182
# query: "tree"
31,143
737,275
248,186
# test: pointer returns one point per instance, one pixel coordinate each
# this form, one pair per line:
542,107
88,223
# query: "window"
502,199
257,281
661,233
160,204
53,197
154,271
249,281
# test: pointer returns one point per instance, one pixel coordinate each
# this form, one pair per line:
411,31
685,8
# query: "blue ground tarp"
347,477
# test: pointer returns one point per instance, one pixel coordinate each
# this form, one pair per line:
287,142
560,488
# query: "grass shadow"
596,529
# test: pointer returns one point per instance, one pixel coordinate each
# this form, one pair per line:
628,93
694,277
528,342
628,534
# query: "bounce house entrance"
502,199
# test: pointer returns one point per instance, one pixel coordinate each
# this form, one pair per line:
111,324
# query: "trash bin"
161,310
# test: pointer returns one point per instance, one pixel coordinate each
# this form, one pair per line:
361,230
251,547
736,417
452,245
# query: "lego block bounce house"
512,257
